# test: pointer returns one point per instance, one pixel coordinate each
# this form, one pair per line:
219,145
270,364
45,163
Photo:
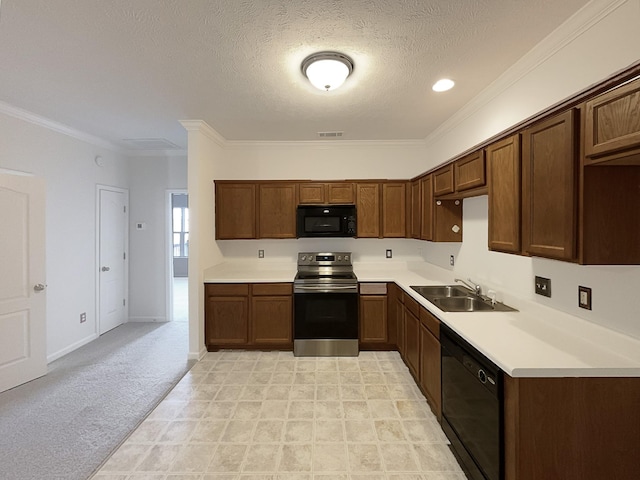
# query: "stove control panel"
333,259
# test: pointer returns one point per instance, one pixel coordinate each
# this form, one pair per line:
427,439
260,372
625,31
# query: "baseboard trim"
71,348
148,319
197,356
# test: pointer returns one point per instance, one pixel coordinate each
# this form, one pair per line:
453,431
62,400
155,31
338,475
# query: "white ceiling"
121,69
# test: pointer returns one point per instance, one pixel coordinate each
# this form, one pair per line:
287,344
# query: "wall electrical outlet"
83,317
389,253
543,286
260,253
584,297
452,260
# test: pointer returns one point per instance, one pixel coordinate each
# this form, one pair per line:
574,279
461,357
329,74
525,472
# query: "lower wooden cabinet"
430,377
248,315
571,428
412,336
373,314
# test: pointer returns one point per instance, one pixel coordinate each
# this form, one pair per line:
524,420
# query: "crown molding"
584,19
157,153
328,144
58,127
204,128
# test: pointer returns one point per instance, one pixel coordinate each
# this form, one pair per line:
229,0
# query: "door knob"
39,287
105,269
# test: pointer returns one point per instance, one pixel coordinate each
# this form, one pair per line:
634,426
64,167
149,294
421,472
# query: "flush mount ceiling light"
327,70
443,85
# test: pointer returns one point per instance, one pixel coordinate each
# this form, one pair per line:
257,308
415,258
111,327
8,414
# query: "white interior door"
112,265
23,336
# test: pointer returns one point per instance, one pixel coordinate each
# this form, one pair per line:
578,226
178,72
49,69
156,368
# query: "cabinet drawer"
226,289
431,322
271,289
373,289
411,305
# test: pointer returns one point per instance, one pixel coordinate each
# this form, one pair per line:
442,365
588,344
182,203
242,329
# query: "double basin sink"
455,298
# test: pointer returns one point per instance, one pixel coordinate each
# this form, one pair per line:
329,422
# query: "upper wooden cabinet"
336,193
443,182
612,121
549,187
469,171
416,209
503,171
433,219
426,208
368,209
394,209
235,210
277,210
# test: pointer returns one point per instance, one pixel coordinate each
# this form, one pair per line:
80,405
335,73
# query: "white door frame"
169,248
124,191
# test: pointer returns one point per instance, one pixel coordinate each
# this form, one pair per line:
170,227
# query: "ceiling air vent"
330,134
149,143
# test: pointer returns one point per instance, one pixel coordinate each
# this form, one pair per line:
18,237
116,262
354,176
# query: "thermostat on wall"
141,226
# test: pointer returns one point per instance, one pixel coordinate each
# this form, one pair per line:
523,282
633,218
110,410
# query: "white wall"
150,178
592,46
331,160
204,157
67,164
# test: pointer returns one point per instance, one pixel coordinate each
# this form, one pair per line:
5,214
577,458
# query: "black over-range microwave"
326,221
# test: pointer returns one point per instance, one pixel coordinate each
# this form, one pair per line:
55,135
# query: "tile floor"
270,416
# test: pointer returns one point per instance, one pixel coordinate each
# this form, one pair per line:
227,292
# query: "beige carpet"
64,425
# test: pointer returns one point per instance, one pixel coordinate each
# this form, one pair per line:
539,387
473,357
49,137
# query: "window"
180,226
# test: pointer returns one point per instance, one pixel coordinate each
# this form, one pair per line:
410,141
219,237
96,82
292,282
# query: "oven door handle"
317,288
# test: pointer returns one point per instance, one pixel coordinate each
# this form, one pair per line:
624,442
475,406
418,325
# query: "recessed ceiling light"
327,70
443,85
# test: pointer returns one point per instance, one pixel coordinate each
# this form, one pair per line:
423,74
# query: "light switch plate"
584,297
543,286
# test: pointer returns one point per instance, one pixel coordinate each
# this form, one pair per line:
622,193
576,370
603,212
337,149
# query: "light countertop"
535,341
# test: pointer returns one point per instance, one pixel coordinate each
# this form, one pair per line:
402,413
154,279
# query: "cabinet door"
312,193
368,209
503,168
416,209
412,342
394,207
470,171
373,319
235,210
549,193
443,180
277,217
426,221
226,320
271,319
612,120
341,193
400,322
430,377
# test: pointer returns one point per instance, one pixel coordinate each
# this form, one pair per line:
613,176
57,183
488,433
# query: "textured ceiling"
123,69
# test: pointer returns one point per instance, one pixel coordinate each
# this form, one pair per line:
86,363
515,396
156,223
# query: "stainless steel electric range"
325,305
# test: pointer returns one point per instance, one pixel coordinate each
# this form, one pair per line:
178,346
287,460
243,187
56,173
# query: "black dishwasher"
472,407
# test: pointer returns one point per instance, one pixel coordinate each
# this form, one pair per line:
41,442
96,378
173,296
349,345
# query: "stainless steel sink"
462,304
435,291
454,298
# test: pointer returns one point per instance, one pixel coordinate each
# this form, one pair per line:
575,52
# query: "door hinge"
124,302
124,255
124,209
